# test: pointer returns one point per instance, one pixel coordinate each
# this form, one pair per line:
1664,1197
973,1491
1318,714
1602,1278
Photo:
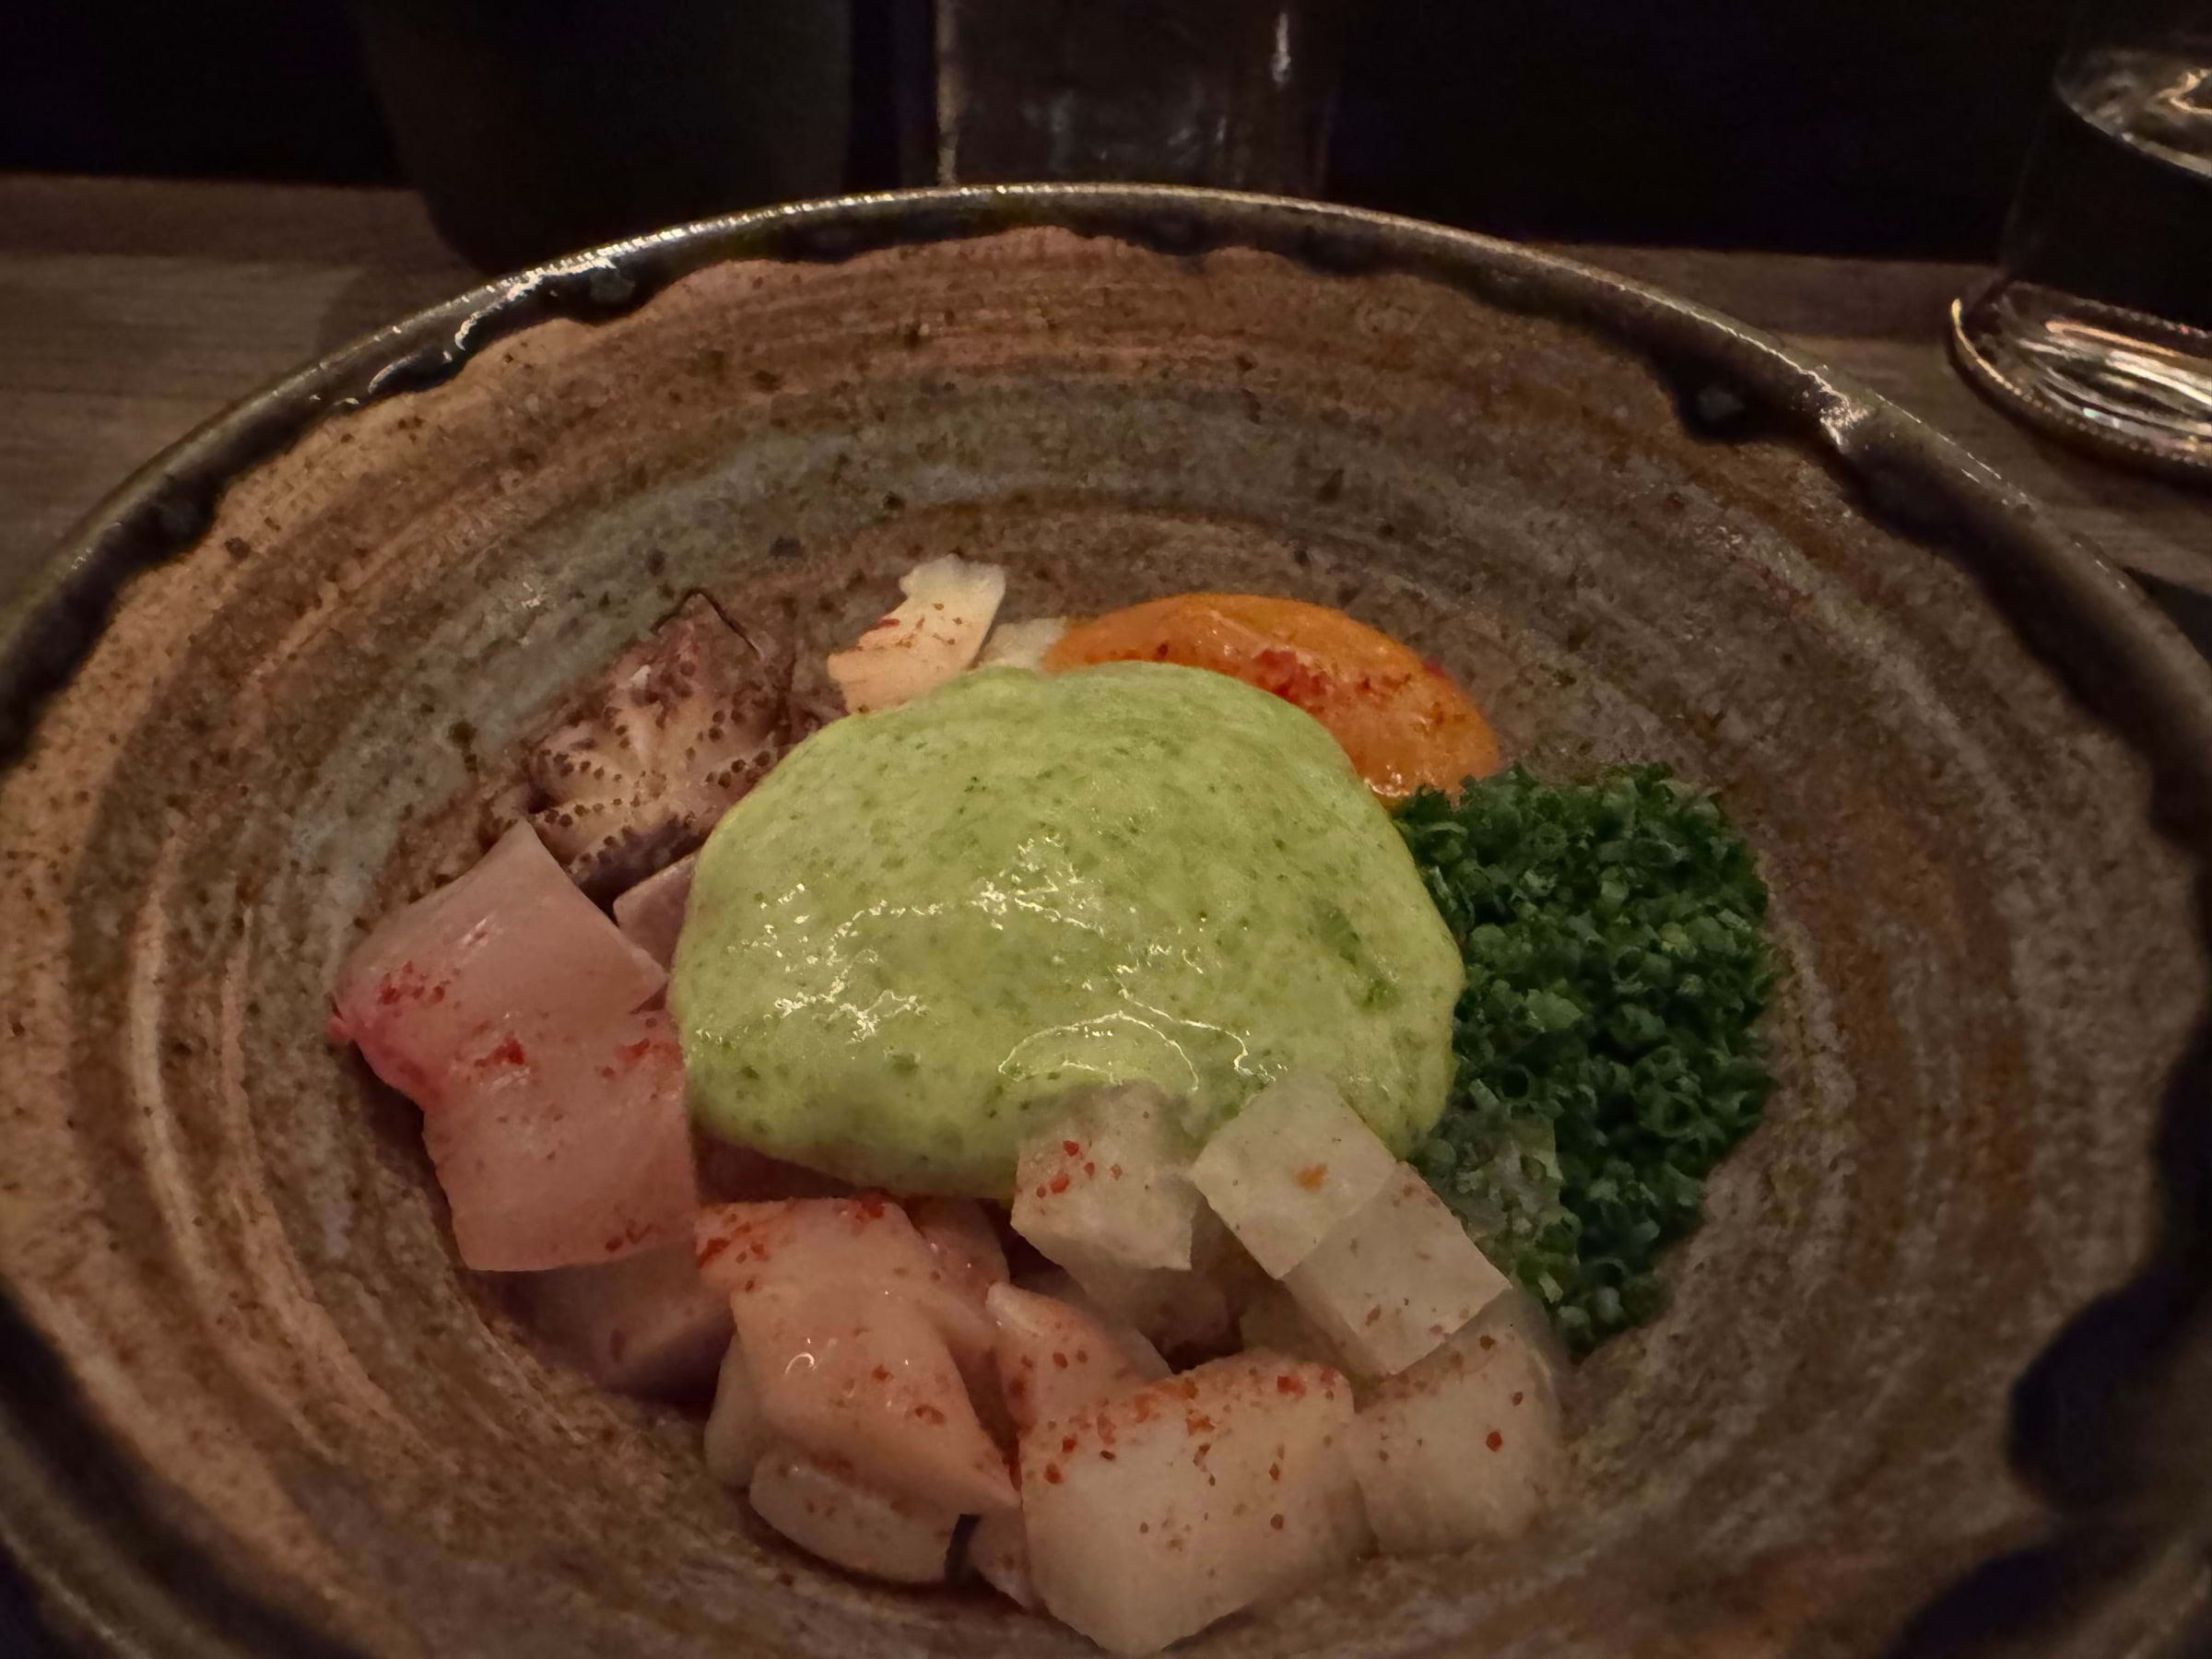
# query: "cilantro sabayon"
1607,1042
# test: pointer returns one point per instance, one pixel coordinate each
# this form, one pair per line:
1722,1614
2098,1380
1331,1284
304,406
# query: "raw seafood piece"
999,1549
933,635
827,1508
865,1376
738,1430
1152,1515
1395,1277
573,1149
681,725
1107,1185
646,1324
863,1343
1055,1359
1180,1311
961,1237
651,914
1462,1448
1294,1162
964,1243
508,953
1060,1285
836,1247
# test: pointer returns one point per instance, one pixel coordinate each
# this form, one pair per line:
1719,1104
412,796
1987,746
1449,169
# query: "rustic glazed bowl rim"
113,1569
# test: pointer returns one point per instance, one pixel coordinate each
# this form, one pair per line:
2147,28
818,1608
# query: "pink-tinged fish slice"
833,1248
827,1508
651,914
966,1245
1054,1361
646,1324
865,1376
510,953
576,1149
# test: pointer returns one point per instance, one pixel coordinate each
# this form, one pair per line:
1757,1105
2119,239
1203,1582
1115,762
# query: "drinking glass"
2098,327
1230,93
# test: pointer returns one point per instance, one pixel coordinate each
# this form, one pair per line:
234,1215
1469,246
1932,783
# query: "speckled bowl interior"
256,1406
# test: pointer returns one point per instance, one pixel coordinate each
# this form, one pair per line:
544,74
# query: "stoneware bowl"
249,1404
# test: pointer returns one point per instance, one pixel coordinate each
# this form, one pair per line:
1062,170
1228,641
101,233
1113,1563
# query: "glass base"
2130,387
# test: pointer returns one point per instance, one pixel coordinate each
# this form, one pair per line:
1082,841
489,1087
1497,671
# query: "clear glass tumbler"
2098,327
1230,93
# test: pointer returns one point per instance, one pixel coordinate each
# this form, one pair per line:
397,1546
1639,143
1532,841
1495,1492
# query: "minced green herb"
1607,1042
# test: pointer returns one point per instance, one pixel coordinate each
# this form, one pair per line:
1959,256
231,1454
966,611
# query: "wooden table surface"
131,309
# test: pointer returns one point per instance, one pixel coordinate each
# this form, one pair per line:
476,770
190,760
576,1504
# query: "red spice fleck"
1197,1422
1144,1526
1275,1521
1067,1442
711,1249
608,1072
928,1413
870,1205
508,1053
636,1051
1114,1170
1060,1360
1312,1177
1090,1169
881,1374
1516,1396
1287,1383
1186,1388
613,1244
1052,1473
1039,1192
1487,1342
1082,1355
1059,1182
1493,1439
1373,1313
1108,1456
1274,1471
1071,1148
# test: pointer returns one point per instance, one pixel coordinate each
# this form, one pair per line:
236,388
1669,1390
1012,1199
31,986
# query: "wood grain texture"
129,311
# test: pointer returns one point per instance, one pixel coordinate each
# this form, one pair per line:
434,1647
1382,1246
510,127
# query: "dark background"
1867,126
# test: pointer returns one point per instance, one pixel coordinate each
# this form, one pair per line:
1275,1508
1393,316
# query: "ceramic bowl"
252,1404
